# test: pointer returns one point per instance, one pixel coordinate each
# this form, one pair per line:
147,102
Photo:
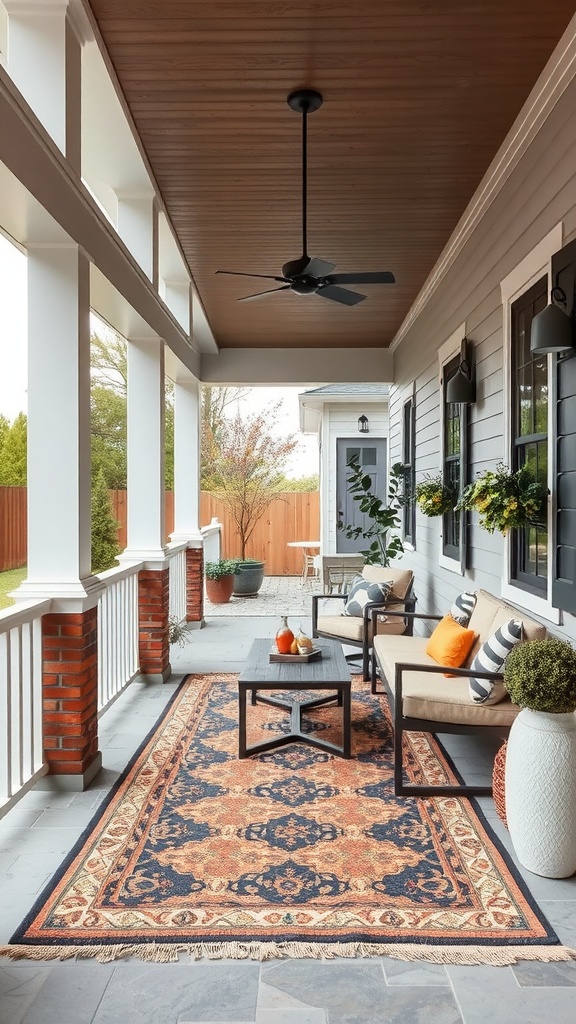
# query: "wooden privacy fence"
293,515
13,527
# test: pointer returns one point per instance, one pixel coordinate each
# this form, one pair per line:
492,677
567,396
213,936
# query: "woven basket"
498,791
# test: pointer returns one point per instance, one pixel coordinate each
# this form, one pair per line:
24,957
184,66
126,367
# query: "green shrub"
541,675
223,567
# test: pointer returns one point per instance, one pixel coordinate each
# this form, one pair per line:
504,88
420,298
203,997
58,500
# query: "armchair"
358,631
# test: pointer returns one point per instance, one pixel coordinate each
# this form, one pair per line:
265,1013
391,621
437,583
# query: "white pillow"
362,592
491,658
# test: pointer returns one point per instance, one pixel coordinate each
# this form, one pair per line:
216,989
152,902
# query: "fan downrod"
305,101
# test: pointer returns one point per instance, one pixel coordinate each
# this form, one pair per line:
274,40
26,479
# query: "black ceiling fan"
309,275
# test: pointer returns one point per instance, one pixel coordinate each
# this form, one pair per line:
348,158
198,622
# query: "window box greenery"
504,500
434,497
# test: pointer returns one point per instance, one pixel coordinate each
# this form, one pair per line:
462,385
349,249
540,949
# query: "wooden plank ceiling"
418,96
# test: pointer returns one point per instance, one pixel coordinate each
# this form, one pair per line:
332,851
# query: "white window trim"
518,281
407,393
451,347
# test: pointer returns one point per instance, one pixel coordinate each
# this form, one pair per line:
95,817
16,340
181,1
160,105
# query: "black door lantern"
363,424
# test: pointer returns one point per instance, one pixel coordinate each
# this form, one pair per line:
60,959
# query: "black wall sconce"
553,328
363,424
461,388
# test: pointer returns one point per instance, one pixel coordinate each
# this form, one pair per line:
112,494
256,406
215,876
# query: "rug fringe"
493,956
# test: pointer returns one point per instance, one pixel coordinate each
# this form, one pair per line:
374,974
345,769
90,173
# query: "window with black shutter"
529,395
452,464
408,458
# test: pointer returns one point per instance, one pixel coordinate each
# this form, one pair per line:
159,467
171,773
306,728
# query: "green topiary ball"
541,675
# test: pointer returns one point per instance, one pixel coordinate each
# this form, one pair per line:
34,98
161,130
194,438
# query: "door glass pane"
368,456
353,454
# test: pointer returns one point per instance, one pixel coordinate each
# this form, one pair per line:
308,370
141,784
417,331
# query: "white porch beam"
308,366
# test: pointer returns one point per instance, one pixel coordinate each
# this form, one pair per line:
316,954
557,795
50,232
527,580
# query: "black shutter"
564,575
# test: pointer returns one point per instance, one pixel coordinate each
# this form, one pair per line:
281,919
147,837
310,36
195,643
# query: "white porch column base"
150,558
66,596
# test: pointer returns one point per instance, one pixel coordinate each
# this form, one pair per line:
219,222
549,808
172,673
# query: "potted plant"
540,780
383,531
220,579
504,500
248,577
434,497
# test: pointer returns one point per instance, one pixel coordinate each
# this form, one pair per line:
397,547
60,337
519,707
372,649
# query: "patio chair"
357,630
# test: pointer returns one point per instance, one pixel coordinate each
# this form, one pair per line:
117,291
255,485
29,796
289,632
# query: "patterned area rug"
294,852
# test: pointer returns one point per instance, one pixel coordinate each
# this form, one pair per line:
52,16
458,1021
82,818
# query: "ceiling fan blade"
347,298
246,298
379,277
318,267
241,273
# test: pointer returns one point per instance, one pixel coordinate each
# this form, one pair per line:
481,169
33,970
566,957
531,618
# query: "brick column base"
153,611
70,696
195,585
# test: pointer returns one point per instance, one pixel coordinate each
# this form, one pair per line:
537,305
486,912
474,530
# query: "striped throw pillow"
491,658
361,592
463,607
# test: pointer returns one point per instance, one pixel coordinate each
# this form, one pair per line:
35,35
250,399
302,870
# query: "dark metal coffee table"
328,672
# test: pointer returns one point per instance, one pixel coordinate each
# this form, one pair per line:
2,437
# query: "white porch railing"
212,538
21,742
177,568
117,632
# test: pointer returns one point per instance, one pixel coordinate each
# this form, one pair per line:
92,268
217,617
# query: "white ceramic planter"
541,792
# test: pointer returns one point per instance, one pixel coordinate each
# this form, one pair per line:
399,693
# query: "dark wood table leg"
242,694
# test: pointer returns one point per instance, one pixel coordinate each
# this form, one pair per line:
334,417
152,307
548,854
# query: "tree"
215,402
104,527
303,483
250,466
13,452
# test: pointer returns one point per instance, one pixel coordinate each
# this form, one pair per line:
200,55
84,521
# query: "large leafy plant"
383,531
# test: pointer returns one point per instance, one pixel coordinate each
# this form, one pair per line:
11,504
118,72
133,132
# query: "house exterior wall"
341,420
539,198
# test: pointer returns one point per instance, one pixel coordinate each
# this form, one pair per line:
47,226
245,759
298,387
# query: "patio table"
328,672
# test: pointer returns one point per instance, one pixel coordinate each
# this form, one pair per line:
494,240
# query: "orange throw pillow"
450,643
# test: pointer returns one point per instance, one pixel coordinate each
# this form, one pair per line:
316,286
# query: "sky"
13,398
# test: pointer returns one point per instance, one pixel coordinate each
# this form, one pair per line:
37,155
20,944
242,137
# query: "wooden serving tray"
316,652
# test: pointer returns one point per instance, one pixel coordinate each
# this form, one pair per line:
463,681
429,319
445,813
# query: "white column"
146,458
138,229
44,44
186,462
58,423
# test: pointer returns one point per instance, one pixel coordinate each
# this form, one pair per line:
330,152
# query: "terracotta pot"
220,591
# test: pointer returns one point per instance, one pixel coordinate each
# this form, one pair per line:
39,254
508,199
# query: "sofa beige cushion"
352,627
430,695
